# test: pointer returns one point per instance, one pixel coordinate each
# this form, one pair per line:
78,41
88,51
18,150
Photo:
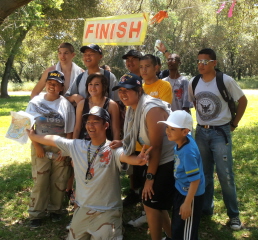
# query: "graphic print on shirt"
154,94
105,159
177,163
179,93
50,121
208,105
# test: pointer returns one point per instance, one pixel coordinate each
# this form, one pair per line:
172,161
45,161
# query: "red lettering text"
89,30
137,29
121,27
104,31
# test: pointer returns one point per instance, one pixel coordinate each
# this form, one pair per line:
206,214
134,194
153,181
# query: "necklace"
90,171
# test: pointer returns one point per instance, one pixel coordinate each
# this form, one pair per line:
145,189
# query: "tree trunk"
16,76
9,62
9,6
239,73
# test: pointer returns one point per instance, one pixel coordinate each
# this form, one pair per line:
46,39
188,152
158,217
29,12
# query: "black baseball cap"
56,75
132,53
92,46
129,80
97,111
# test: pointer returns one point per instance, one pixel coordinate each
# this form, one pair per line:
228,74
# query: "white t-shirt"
211,108
103,191
52,117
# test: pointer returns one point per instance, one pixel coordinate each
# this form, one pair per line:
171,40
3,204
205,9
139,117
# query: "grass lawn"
16,182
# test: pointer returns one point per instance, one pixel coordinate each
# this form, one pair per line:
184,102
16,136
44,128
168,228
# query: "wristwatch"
150,176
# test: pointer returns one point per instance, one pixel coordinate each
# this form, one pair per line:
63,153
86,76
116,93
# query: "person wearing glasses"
213,132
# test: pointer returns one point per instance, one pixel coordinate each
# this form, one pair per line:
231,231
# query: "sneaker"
235,223
35,223
131,198
68,226
55,217
139,221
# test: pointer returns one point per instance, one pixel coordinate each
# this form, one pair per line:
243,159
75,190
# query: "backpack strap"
86,107
195,82
78,79
106,104
221,86
107,75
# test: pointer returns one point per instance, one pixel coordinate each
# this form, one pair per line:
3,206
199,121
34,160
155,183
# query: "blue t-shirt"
188,167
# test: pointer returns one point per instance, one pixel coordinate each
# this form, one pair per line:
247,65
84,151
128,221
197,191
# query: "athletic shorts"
163,187
90,224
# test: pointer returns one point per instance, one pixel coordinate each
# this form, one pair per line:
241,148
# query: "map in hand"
20,122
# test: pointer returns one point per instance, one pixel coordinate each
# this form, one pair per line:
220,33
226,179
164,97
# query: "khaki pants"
88,224
50,179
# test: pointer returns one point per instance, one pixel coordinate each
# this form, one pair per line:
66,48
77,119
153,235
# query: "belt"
212,127
218,128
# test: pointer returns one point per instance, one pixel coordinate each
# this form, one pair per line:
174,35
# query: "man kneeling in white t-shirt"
97,169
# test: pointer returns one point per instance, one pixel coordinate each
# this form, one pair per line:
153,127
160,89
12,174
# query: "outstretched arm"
141,159
48,140
41,83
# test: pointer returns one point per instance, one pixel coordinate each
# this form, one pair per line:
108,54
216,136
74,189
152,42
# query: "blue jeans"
213,149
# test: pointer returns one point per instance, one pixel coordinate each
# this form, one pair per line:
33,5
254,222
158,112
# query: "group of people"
78,123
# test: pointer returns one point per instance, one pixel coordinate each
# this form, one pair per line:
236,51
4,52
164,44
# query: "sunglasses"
204,61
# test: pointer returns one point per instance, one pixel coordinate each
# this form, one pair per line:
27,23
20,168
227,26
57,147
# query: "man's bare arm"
41,83
48,140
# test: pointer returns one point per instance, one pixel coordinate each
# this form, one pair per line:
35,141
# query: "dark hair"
103,79
209,52
158,61
139,90
150,57
104,66
66,45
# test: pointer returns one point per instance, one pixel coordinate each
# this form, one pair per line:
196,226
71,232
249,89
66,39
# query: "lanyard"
91,161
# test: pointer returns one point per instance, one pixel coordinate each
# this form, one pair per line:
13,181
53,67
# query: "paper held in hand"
20,122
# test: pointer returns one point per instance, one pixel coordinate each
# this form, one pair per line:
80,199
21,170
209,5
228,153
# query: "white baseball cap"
179,119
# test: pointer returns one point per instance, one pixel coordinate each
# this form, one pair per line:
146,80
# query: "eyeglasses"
204,61
173,59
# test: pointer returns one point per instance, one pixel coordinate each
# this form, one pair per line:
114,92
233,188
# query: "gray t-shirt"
81,88
180,93
167,153
52,117
103,191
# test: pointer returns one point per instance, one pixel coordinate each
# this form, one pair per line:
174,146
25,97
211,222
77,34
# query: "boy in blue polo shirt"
189,177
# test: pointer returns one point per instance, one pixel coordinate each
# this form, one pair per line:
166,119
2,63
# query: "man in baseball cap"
57,76
92,46
97,170
128,80
132,61
99,112
91,56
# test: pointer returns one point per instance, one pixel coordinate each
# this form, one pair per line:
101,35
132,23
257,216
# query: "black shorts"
163,187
